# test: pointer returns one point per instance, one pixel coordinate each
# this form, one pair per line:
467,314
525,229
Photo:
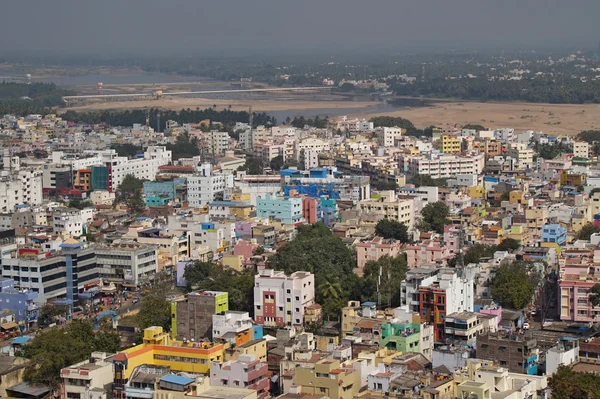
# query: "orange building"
83,180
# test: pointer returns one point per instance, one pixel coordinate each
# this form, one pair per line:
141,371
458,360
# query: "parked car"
526,326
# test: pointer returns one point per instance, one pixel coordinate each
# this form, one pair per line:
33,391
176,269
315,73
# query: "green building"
404,337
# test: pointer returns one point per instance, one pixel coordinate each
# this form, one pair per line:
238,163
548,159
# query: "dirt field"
549,118
178,103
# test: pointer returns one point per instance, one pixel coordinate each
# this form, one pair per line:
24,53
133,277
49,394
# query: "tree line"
36,98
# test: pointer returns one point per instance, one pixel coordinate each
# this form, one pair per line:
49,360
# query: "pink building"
244,248
375,249
451,234
494,311
579,271
246,372
426,253
309,210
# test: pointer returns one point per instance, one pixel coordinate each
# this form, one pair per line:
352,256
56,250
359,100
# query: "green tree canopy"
155,309
276,163
393,271
51,350
387,228
50,312
391,121
470,126
595,295
586,232
509,244
514,284
590,136
567,384
129,192
434,216
253,166
426,180
186,146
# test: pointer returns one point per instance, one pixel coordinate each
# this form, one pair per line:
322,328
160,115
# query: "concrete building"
21,302
554,233
326,182
63,275
374,249
246,372
440,166
129,263
565,353
448,293
144,168
523,154
451,144
328,378
18,187
233,326
389,206
71,222
427,252
518,353
194,314
387,136
409,289
281,300
207,185
581,149
288,209
462,328
90,379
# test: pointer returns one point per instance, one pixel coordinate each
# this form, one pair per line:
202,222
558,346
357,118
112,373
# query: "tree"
196,272
276,163
567,384
514,284
509,244
258,250
434,216
389,273
346,87
127,150
392,229
426,180
253,166
586,232
292,163
391,121
49,313
129,192
595,295
54,349
155,310
473,127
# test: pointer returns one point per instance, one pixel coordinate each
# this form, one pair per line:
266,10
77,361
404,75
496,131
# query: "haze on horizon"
159,27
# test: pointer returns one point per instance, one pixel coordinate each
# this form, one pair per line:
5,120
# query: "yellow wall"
233,261
258,348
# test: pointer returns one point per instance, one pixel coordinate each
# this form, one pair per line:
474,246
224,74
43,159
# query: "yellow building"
351,316
451,144
326,343
159,349
257,347
235,262
328,378
476,192
519,233
203,390
572,179
444,389
516,197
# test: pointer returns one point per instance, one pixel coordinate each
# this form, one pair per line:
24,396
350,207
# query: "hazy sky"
143,26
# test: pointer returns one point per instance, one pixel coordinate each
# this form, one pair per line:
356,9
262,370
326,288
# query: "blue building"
327,182
20,302
554,233
286,209
159,193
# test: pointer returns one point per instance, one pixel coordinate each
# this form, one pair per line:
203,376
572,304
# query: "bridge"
159,93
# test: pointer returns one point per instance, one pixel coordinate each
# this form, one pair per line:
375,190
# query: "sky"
227,26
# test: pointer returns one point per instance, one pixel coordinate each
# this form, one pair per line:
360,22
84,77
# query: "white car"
525,326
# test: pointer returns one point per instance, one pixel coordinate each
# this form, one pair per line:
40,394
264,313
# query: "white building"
505,134
143,168
130,262
217,142
226,326
281,300
523,154
207,185
90,379
388,206
313,144
387,136
311,159
443,166
581,149
71,221
563,354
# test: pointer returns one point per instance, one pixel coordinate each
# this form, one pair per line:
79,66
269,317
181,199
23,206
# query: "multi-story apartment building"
63,275
207,185
518,353
451,144
193,314
409,288
387,136
233,326
93,376
130,263
144,168
327,182
312,144
451,291
523,154
390,206
20,186
281,300
71,222
578,273
506,135
581,149
328,377
374,249
427,252
440,166
245,372
463,328
21,302
554,233
286,209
